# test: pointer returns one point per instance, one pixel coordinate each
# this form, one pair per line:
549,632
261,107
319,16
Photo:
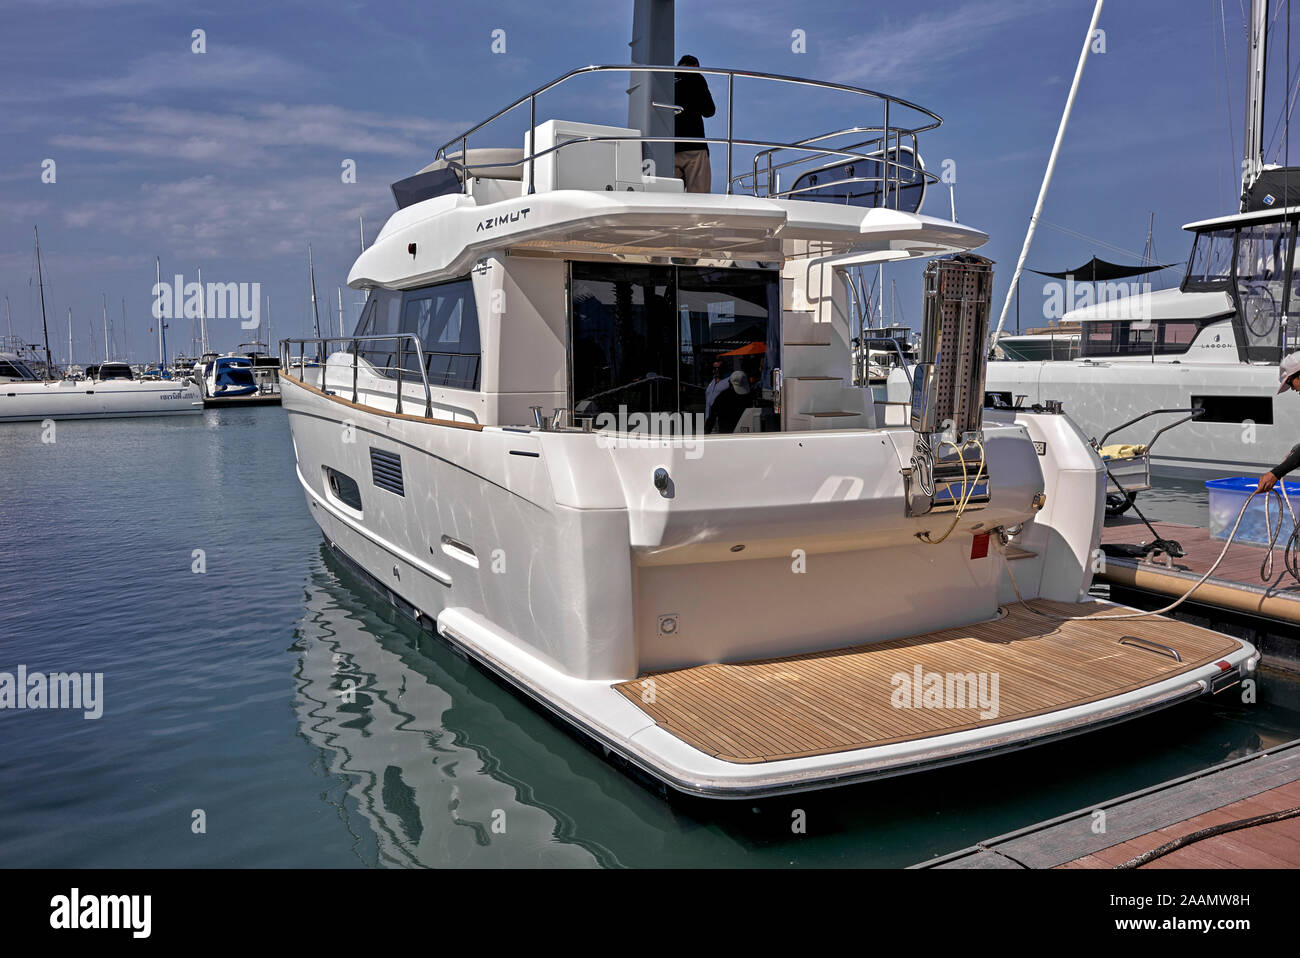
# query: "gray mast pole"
652,44
1253,163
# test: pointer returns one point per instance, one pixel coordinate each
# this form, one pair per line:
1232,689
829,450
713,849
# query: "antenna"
361,227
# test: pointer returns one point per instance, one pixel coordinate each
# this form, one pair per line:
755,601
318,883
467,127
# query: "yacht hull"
561,589
86,399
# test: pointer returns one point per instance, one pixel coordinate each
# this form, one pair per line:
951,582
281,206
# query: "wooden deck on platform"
1258,784
1235,585
825,702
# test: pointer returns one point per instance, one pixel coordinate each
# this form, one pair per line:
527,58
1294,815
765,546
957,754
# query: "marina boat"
774,595
109,391
14,370
1213,344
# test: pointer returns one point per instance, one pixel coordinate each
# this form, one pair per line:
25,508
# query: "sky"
232,159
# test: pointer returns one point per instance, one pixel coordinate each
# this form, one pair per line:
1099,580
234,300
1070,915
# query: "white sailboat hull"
87,399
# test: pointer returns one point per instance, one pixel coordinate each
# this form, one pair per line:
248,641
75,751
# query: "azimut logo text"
502,220
76,911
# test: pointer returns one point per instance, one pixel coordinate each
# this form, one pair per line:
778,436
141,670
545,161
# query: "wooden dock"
1116,832
1236,593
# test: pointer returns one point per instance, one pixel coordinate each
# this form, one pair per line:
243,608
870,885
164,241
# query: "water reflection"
379,700
433,758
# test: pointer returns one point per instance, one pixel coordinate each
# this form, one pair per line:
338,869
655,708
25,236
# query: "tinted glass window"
1132,338
1211,263
646,340
444,317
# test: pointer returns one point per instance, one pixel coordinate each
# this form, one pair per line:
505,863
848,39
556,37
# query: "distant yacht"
110,390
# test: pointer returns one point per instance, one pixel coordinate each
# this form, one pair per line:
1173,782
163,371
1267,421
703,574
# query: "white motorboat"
780,595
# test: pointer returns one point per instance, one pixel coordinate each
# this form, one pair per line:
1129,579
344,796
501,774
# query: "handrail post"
532,144
884,158
731,85
401,360
424,377
354,371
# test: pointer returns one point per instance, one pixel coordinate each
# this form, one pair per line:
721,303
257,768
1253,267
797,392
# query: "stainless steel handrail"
887,132
401,339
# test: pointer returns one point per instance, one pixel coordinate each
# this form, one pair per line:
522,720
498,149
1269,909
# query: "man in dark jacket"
1289,374
729,406
691,160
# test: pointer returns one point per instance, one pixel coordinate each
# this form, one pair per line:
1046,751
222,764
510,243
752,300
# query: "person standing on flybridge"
1289,374
691,160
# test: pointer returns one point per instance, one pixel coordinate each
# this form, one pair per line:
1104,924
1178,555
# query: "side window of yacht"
380,317
445,318
1210,267
1261,271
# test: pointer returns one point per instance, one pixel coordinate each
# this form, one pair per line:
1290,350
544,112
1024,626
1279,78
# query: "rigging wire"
1223,22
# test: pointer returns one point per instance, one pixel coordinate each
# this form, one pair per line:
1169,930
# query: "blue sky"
230,160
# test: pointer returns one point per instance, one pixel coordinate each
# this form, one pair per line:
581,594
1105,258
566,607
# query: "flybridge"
872,160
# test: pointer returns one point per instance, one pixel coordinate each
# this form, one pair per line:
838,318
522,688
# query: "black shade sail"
1100,271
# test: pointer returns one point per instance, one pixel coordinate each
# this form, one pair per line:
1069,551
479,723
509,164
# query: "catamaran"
779,594
1212,344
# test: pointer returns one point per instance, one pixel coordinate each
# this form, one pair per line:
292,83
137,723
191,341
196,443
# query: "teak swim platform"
795,706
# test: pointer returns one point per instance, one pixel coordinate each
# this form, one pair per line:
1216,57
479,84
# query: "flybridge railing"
321,354
884,152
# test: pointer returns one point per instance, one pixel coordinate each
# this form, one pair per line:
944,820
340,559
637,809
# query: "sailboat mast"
1254,142
40,281
69,335
105,296
1051,168
203,316
162,353
10,317
315,313
342,332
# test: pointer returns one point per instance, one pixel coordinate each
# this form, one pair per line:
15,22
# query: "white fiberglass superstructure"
601,436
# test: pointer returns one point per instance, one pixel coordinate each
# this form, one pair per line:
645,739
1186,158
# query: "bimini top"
587,189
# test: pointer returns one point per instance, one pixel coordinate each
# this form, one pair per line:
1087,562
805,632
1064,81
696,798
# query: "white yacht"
780,593
108,391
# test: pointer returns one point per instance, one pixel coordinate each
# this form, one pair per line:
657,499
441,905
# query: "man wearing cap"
1289,374
730,405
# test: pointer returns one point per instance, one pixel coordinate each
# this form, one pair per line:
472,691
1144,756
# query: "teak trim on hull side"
374,410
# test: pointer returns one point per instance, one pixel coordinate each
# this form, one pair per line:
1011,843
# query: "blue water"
313,727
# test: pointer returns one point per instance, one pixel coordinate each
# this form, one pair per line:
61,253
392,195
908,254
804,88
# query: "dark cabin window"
444,317
645,338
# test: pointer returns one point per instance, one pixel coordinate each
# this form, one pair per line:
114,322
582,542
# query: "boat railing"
889,151
407,344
